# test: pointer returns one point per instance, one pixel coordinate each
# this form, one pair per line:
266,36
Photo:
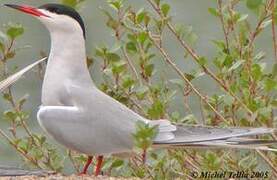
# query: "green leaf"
144,135
131,47
22,100
259,56
10,115
157,2
128,82
219,44
15,30
236,65
177,82
149,70
202,61
266,23
253,4
142,37
274,103
118,67
157,110
190,77
214,12
2,47
186,33
165,9
113,57
256,71
212,160
140,15
175,116
265,112
111,22
270,84
117,163
116,4
7,97
71,3
242,17
141,92
274,71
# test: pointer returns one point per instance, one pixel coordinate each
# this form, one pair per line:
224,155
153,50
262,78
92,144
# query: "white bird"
81,117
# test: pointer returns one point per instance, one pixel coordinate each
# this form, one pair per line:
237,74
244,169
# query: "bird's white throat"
67,62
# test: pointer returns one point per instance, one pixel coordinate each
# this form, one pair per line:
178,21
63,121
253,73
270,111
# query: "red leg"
87,165
98,166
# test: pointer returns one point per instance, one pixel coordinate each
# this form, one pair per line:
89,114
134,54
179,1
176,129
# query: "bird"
83,118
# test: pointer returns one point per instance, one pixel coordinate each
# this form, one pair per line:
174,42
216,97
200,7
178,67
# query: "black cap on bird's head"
51,11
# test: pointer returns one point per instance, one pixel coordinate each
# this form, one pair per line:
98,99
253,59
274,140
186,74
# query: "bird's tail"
13,78
213,137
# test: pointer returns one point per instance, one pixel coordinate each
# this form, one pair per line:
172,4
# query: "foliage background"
189,12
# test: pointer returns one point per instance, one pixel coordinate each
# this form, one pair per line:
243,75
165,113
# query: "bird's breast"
54,92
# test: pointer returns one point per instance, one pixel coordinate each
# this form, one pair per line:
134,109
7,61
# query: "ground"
59,177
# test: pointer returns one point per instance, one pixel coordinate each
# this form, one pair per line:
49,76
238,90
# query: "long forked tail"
213,137
13,78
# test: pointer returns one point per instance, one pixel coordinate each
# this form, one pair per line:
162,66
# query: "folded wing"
199,136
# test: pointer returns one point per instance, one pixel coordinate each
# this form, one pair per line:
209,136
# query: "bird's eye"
53,9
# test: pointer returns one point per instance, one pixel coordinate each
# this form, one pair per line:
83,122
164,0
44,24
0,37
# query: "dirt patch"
60,177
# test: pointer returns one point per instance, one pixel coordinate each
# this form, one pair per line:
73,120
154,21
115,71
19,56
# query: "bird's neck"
67,63
68,53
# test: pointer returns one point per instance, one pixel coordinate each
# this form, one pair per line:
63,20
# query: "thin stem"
202,112
10,141
123,50
268,161
181,74
273,29
131,65
76,168
219,2
196,58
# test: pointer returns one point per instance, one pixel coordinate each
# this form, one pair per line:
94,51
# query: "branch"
268,161
219,2
273,30
196,58
10,141
180,73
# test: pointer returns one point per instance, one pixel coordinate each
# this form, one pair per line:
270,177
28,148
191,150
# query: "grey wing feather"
207,137
13,78
192,134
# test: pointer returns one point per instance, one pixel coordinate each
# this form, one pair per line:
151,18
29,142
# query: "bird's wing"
120,120
113,116
199,136
13,78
